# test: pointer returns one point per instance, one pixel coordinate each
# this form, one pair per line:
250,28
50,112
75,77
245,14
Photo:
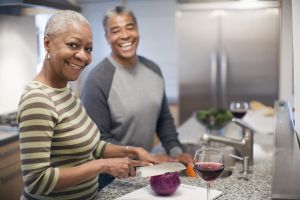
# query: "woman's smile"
75,66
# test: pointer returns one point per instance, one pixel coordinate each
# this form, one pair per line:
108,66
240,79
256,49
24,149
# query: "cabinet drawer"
9,154
11,184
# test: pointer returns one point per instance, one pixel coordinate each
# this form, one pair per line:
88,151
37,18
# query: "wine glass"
209,165
238,109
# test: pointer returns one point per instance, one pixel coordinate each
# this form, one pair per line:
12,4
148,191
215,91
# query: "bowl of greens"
214,118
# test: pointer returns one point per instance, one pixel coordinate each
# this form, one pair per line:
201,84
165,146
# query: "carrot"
190,170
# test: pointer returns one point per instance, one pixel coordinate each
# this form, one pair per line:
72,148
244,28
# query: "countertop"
8,134
258,187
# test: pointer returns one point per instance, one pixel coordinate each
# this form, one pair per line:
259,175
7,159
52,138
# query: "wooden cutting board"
184,192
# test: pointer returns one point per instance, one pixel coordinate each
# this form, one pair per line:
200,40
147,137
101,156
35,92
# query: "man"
124,94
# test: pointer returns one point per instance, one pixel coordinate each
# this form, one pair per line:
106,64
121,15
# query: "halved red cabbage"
165,184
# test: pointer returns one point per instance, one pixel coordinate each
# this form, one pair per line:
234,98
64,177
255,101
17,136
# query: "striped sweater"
55,132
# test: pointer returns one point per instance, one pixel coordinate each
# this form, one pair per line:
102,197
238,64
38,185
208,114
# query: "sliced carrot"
190,170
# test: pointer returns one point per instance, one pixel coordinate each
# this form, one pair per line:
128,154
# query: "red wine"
238,113
209,171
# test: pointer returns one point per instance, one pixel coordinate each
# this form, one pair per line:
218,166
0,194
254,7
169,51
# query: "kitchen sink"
191,148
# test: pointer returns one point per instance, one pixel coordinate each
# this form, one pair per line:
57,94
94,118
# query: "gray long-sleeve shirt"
130,105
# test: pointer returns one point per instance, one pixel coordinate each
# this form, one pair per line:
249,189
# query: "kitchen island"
258,186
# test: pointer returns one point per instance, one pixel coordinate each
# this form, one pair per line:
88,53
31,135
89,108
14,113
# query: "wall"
18,58
156,23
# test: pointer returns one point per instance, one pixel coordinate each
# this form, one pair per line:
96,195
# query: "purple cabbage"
165,184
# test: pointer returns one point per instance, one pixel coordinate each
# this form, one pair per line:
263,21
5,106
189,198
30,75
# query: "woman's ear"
47,43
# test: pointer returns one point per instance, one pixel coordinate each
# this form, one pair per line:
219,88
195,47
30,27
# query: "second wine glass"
238,109
209,165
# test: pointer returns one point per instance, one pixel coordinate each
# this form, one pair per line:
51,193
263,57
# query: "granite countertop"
8,134
257,187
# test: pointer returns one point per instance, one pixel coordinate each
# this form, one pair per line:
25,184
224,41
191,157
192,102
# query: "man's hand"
184,158
165,158
144,155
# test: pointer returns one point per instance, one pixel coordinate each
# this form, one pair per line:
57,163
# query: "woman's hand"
119,167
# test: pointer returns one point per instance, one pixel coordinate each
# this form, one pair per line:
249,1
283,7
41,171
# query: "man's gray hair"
58,22
117,10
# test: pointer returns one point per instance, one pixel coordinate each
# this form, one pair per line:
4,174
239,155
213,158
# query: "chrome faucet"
244,146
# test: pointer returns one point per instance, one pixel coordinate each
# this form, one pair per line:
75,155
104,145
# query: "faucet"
244,146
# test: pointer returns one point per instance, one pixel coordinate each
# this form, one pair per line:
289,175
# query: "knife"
159,169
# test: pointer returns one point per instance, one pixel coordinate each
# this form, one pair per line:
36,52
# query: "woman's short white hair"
58,22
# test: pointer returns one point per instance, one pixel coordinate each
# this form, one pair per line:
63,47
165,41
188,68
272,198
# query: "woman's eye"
89,50
73,45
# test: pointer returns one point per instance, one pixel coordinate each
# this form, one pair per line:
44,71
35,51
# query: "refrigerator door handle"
223,77
214,77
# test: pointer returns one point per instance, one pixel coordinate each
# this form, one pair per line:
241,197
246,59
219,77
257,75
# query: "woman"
61,150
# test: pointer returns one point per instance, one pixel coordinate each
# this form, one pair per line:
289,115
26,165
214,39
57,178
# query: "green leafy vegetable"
214,118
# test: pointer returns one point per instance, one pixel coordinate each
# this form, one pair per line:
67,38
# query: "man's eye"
130,27
114,31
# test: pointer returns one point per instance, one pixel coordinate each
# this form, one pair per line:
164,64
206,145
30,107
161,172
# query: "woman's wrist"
100,168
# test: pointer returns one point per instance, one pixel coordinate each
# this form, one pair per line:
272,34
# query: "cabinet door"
11,184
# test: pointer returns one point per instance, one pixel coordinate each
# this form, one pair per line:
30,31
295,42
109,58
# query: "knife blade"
159,169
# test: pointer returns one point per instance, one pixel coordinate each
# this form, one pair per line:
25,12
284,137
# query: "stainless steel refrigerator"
227,55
